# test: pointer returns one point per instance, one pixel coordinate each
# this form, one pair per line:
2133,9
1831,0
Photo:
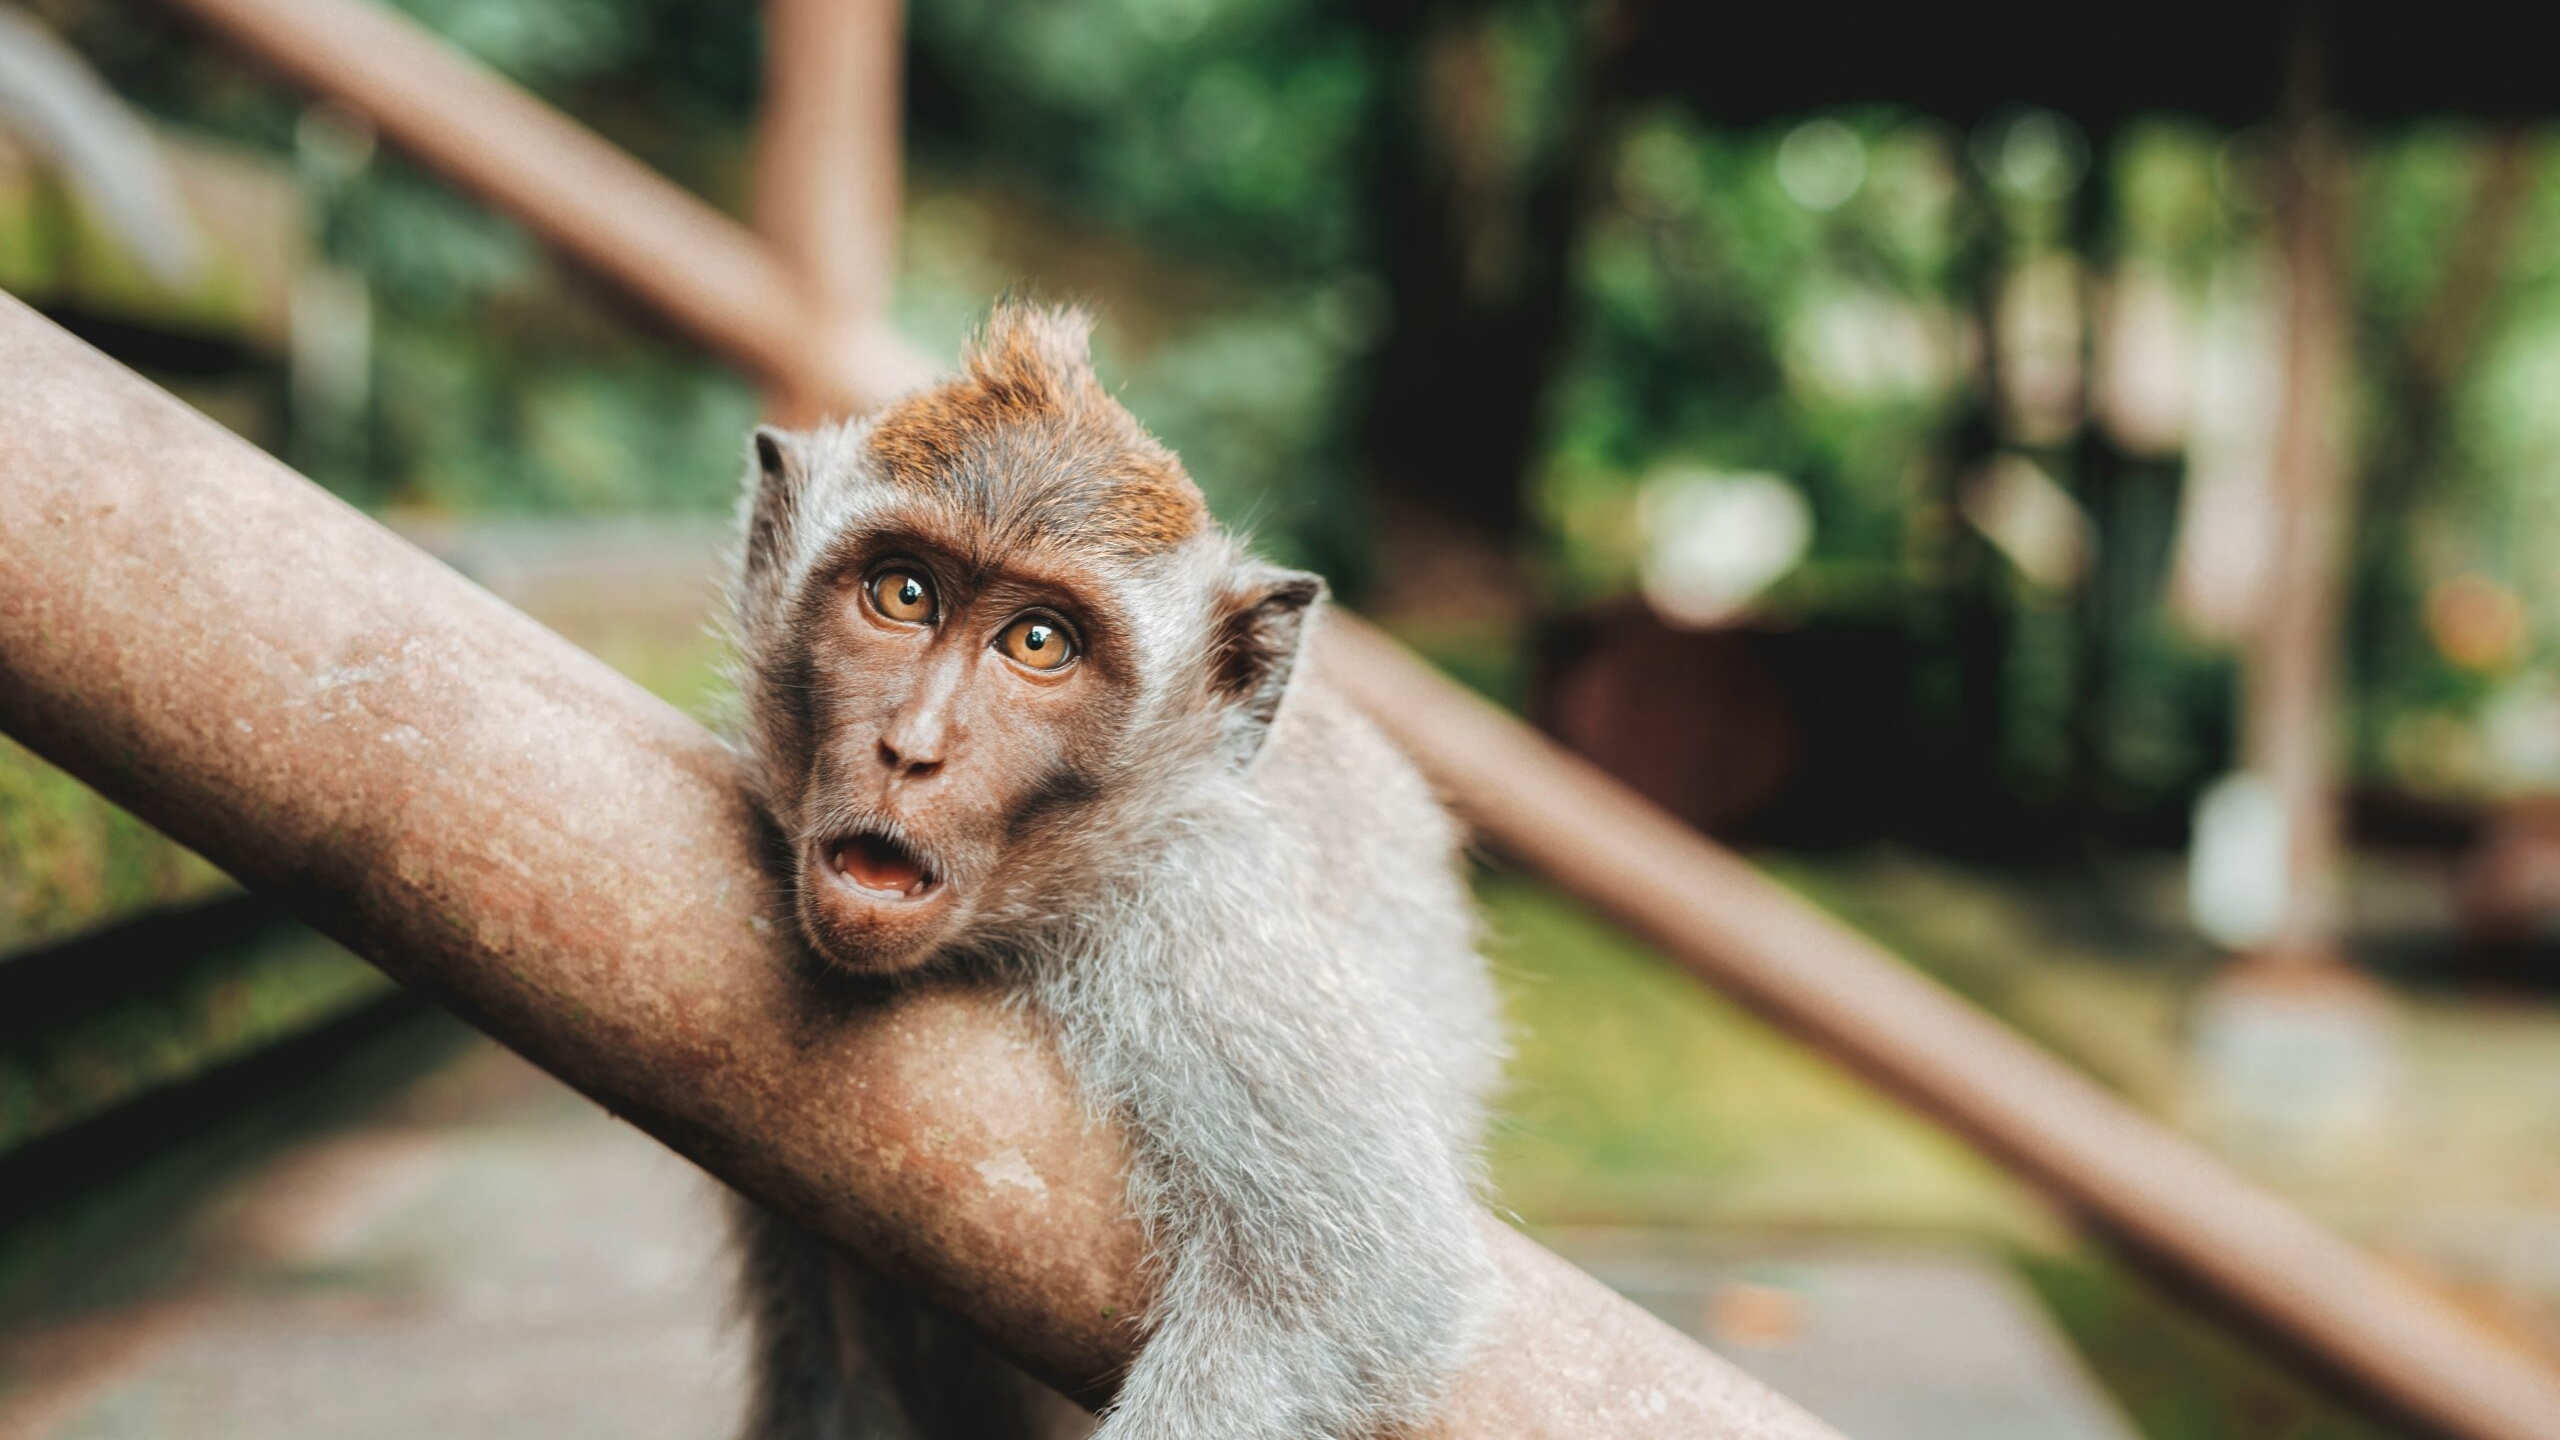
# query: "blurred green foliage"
69,860
1637,1096
1710,309
1795,299
1222,127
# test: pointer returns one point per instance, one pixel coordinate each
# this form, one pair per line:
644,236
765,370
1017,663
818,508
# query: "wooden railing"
128,1038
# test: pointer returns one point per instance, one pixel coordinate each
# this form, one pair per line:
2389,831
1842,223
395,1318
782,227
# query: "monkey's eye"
1037,643
902,595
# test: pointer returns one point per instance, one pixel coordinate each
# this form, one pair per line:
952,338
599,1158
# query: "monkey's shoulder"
1330,765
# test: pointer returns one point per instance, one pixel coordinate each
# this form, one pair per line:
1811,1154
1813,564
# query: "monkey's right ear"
778,455
781,461
1262,625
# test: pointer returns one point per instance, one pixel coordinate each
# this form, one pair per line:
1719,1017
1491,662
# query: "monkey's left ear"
1262,624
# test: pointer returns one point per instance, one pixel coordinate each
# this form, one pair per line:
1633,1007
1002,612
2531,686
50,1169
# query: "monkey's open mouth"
880,864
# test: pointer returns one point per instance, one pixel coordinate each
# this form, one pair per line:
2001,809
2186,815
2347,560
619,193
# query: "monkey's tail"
798,1385
841,1354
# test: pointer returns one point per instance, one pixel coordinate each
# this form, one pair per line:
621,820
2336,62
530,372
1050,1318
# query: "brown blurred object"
2476,623
1691,719
1760,731
1755,1317
2508,885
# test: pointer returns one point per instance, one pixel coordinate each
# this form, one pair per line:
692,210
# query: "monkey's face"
978,630
957,714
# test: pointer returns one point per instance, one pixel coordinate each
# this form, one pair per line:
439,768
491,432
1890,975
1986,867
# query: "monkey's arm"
1315,1224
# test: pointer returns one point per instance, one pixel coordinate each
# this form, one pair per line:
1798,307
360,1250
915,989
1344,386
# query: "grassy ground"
2452,1177
2176,1375
69,860
1640,1098
141,1237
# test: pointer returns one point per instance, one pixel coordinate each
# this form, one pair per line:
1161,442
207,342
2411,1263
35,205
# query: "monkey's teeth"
875,862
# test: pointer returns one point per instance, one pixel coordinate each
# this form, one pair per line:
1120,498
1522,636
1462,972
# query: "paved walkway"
490,1255
1886,1343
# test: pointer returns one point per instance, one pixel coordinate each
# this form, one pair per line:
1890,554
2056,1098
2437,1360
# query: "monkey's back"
1394,877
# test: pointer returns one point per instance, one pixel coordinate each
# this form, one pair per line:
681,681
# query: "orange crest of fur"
1027,433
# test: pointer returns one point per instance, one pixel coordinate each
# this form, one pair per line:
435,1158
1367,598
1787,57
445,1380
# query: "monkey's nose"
909,764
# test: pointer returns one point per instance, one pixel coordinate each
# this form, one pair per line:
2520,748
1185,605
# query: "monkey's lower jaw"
881,867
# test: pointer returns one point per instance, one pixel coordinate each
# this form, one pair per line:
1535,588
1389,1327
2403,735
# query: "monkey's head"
978,633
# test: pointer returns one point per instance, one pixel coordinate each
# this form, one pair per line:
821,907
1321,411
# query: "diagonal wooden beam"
704,273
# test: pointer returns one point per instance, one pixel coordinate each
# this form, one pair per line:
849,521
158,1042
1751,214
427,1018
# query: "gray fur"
1249,935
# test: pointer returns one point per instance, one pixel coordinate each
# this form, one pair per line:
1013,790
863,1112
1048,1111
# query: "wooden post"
826,183
2290,661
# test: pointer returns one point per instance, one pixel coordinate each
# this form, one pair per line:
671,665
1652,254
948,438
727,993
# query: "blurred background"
2065,497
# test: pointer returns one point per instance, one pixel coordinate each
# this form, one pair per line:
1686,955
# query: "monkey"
1017,708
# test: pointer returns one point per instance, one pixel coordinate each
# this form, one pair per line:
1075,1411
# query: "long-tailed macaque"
1016,706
